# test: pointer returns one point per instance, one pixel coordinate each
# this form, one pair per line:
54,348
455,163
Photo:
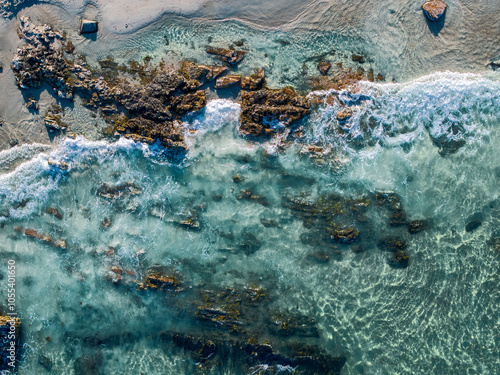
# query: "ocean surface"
225,216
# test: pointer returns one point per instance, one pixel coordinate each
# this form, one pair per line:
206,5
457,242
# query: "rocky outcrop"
40,60
228,81
260,108
201,73
255,81
434,9
230,56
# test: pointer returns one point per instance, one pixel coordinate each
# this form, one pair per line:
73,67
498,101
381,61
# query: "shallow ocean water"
439,315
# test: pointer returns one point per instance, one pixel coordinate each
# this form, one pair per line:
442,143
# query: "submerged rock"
473,225
32,233
160,282
434,9
54,212
400,259
416,226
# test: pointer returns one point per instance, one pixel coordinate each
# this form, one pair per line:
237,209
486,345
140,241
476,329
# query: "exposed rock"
201,73
52,119
69,47
230,56
118,191
324,67
255,81
434,9
32,104
344,114
261,107
191,102
45,238
39,61
1,68
88,26
228,81
345,235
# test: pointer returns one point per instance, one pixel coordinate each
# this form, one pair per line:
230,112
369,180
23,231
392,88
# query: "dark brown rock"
324,67
358,58
228,81
262,106
201,73
54,212
255,81
434,9
230,56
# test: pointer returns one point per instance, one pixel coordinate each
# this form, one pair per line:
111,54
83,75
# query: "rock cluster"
261,107
40,60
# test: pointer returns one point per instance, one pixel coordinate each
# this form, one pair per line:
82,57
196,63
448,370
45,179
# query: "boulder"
230,56
434,9
88,26
228,81
324,67
255,81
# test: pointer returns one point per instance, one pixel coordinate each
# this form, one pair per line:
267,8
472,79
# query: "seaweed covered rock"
260,108
434,9
416,226
160,282
220,309
400,259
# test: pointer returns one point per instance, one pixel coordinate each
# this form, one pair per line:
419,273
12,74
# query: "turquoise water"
437,316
